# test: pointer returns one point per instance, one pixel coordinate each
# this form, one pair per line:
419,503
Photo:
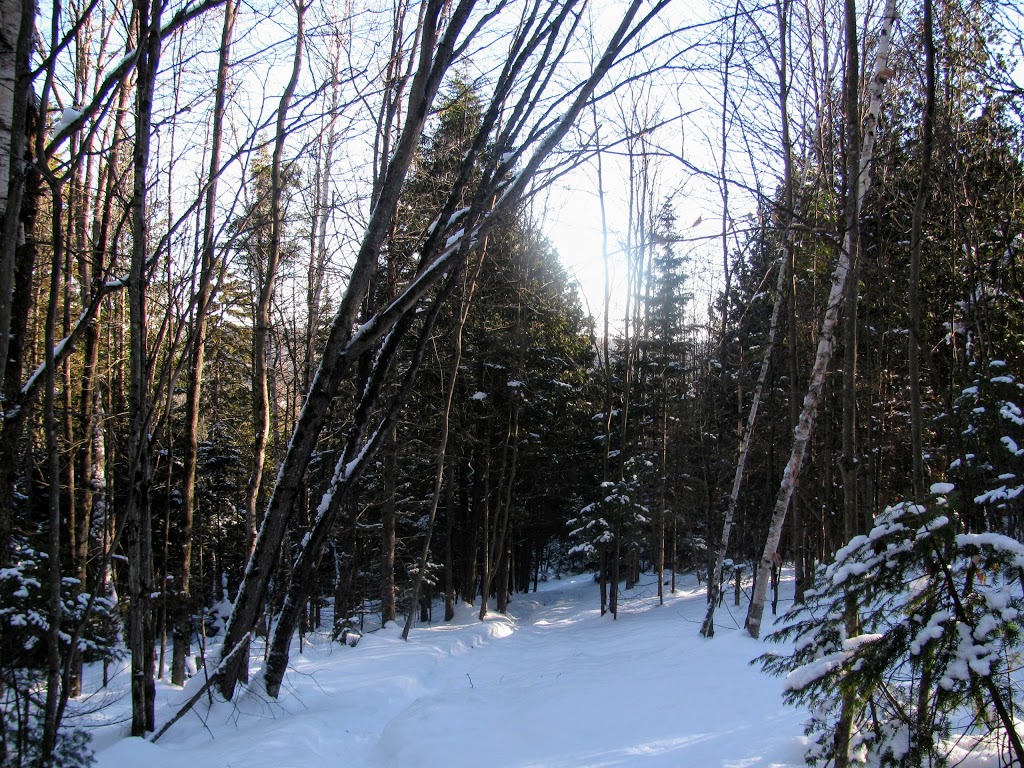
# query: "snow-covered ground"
552,684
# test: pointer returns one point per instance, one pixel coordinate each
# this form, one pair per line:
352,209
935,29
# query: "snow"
458,215
1012,413
68,116
803,676
551,684
995,540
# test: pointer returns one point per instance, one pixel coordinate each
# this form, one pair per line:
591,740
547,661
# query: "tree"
208,271
826,340
923,653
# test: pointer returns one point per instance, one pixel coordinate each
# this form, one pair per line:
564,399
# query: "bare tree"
208,270
261,334
137,513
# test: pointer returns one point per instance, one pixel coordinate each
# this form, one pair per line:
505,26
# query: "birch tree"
826,339
16,32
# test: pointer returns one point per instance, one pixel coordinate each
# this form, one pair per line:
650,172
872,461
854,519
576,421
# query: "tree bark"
17,27
495,548
849,460
53,569
916,241
16,40
388,608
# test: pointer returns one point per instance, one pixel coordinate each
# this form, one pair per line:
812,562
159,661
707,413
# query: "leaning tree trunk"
826,340
714,586
785,276
360,450
334,362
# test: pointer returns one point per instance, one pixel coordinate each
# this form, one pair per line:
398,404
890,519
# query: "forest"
286,344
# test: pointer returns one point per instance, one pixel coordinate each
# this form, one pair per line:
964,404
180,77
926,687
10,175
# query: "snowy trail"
552,684
569,688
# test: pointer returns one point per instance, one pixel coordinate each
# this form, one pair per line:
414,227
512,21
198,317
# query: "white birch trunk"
12,121
826,341
714,584
10,24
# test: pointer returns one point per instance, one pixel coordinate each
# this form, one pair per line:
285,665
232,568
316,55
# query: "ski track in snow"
551,684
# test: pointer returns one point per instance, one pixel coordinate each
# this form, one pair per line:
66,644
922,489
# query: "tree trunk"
799,527
826,339
17,27
16,42
334,362
506,481
359,451
501,585
916,241
261,330
53,569
344,343
849,460
662,497
388,609
468,288
715,578
140,630
207,271
449,554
